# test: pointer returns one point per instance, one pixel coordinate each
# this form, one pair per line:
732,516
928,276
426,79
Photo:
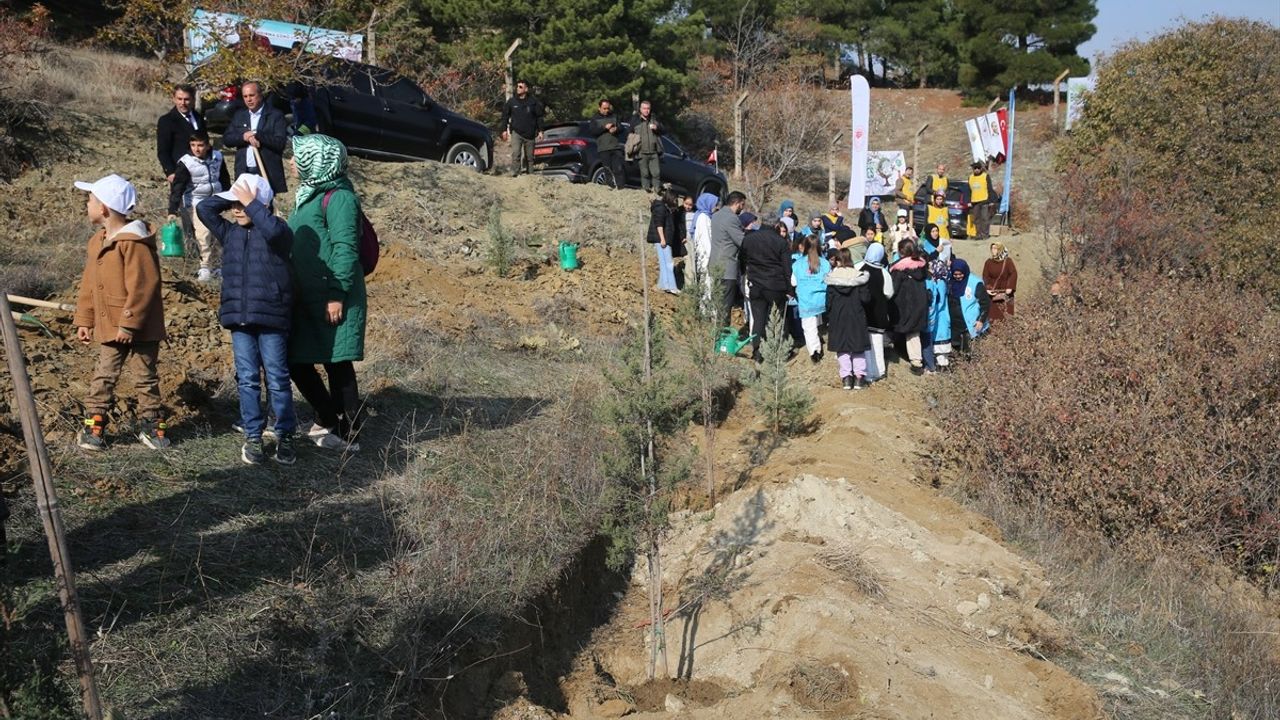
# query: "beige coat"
121,285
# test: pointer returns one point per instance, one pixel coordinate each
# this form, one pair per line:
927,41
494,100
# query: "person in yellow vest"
981,196
938,214
904,191
937,181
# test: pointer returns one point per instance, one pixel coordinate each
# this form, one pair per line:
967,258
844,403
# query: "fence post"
915,152
831,169
50,514
1057,85
511,74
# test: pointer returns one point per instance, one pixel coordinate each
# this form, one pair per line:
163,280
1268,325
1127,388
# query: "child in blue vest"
808,274
257,305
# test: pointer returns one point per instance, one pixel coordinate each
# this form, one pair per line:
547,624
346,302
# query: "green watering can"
730,343
171,239
569,256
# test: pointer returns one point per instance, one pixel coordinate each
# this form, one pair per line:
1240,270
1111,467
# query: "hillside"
215,591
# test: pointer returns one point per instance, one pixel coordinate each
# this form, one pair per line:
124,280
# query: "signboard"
977,150
860,102
210,31
884,167
1076,90
992,141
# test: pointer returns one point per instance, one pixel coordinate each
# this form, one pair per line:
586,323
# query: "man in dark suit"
174,128
258,125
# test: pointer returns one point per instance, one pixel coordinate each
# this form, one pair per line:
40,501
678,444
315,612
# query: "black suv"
957,202
568,150
377,113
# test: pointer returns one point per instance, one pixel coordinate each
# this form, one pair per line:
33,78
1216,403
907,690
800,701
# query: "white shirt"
249,157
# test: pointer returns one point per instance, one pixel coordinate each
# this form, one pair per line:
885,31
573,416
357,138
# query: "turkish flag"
1003,115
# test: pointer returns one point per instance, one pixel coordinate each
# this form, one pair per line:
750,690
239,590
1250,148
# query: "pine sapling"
782,403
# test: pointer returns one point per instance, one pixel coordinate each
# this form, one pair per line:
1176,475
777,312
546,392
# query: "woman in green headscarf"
328,285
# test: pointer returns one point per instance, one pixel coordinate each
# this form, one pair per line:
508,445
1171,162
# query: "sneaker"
332,441
152,434
217,273
251,452
204,275
859,383
816,357
92,437
315,431
917,370
285,454
848,382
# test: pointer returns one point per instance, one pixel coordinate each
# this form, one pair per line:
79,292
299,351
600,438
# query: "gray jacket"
726,241
649,142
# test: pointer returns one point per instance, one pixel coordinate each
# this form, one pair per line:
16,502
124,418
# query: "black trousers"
730,297
338,404
613,160
763,304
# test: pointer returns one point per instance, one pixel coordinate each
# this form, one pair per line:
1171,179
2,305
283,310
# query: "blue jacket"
939,315
811,289
256,288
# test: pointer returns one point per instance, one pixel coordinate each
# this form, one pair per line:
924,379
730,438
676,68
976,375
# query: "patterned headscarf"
322,165
940,267
1001,251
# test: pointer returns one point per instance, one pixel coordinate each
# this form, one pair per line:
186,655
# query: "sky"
1121,20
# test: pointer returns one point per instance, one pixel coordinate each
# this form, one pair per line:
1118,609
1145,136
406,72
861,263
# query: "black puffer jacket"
846,319
877,300
257,290
910,310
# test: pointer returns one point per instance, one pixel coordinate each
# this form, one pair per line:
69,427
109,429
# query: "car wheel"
714,188
465,154
602,176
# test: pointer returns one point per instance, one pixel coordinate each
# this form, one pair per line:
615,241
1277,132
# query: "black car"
568,150
377,113
957,202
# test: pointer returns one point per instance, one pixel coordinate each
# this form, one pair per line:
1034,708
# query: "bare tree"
786,134
751,46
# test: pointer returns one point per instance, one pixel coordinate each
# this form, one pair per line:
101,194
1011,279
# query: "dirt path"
847,586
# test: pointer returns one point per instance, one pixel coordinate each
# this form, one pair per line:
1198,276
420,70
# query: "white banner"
209,31
884,167
992,141
977,150
860,100
1076,90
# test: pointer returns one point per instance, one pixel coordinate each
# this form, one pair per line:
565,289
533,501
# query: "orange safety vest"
978,188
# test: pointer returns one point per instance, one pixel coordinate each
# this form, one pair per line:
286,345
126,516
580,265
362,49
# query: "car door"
355,112
677,168
411,120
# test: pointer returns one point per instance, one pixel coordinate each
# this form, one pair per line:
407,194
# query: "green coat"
326,266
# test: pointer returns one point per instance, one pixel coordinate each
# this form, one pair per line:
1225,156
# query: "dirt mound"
848,587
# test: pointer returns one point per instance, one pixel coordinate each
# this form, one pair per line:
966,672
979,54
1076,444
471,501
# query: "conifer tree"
782,403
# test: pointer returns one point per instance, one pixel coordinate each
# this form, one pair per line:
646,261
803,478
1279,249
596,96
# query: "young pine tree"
697,329
783,404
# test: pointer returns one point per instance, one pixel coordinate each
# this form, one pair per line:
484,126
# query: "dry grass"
847,562
119,86
820,687
1162,637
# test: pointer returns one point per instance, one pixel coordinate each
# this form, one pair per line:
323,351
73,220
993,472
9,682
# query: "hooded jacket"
910,309
256,288
879,288
120,286
847,291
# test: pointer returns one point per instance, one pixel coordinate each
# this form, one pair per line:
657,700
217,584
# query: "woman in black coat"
847,334
910,300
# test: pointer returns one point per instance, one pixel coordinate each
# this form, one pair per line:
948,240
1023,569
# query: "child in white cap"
257,307
119,308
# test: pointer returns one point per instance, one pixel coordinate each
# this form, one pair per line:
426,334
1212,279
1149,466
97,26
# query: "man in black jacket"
766,259
258,125
522,124
174,128
606,128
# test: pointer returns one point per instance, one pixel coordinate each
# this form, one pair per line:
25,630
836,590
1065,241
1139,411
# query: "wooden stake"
915,153
50,514
1057,85
511,73
831,169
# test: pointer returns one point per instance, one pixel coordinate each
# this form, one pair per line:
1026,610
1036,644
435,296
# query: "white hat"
113,191
902,212
258,184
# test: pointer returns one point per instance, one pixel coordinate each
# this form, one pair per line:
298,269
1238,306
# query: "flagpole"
1008,163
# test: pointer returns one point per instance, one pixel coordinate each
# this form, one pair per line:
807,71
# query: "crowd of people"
292,292
874,286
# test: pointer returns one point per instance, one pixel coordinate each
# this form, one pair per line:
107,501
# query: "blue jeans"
666,268
256,348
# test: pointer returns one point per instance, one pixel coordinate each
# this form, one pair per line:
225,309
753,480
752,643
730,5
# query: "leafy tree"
1188,117
1014,43
646,411
918,37
784,404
